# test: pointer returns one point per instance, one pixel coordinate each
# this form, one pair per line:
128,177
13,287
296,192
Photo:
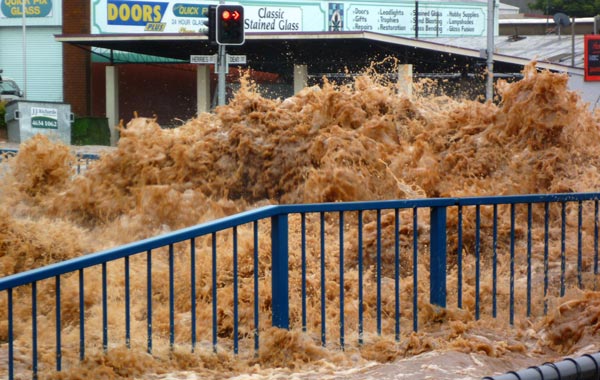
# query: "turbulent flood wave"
334,143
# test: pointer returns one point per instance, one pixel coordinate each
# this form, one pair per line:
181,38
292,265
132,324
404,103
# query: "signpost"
236,59
203,59
221,67
214,59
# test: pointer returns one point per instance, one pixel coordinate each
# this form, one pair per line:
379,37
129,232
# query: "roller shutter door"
44,61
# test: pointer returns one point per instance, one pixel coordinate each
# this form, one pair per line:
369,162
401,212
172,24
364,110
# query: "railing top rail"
366,205
527,198
88,156
112,254
438,202
85,156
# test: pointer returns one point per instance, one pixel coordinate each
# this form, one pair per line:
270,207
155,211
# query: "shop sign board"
434,19
37,12
42,117
33,8
592,57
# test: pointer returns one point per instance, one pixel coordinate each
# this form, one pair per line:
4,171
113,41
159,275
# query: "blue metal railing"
8,152
381,243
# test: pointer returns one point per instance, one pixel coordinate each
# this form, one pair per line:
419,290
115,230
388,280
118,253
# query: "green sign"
44,118
190,10
33,8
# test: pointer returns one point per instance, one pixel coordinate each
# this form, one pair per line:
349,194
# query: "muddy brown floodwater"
333,143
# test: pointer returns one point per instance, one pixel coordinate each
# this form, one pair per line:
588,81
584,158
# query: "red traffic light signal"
228,16
230,25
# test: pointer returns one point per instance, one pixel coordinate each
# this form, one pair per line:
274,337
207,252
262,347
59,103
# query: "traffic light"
211,24
230,25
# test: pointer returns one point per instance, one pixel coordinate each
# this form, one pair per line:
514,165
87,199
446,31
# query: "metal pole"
280,272
437,258
547,15
416,19
437,23
573,41
489,91
24,18
222,64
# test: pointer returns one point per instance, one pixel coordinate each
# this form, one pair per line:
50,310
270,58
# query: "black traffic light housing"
230,25
211,24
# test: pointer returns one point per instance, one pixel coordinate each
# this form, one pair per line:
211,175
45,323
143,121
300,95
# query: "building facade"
29,54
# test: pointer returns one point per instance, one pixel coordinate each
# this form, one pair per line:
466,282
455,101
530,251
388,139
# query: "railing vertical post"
437,261
279,271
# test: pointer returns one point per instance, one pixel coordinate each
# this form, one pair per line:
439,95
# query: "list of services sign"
429,19
401,18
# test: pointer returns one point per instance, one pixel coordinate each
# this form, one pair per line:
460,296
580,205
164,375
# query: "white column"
405,80
112,102
202,88
300,77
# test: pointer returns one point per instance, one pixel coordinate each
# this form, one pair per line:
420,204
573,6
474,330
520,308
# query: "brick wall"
76,59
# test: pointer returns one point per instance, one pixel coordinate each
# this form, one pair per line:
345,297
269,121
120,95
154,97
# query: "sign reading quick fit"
190,10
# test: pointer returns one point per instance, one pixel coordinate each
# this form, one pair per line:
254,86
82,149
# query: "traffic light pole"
222,65
227,21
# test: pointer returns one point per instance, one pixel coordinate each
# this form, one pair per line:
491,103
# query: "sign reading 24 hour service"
434,19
